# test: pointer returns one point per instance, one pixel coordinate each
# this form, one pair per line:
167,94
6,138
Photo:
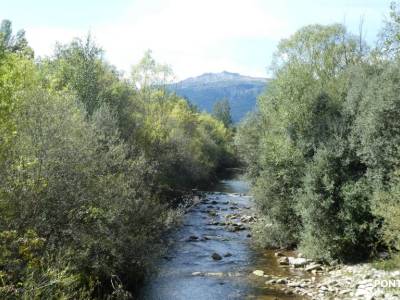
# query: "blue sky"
193,36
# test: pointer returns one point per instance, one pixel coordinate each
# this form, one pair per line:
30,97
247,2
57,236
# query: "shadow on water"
188,271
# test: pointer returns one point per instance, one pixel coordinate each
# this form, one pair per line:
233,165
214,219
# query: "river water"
188,271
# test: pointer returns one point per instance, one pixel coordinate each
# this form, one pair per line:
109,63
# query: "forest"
323,150
91,166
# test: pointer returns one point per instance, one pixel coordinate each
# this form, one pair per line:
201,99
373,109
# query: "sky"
192,36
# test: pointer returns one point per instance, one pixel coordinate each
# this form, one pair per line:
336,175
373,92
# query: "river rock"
192,238
212,213
258,273
312,267
289,292
298,261
271,281
283,261
232,216
364,293
293,284
227,254
279,254
233,227
216,256
247,219
215,274
281,281
214,223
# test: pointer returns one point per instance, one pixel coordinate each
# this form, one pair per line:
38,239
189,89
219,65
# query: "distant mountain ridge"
204,90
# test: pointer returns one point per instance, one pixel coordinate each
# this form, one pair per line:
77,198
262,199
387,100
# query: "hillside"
206,89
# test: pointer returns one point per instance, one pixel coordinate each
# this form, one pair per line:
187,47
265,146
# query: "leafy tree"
222,112
78,67
389,38
247,142
150,74
307,179
13,43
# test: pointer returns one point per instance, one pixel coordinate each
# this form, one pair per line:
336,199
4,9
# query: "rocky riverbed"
212,257
360,281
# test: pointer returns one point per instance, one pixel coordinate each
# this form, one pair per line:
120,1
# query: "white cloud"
181,33
196,36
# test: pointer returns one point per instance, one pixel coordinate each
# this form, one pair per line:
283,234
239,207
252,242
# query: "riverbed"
212,256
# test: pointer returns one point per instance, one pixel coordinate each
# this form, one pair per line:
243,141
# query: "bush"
275,190
335,209
387,206
325,138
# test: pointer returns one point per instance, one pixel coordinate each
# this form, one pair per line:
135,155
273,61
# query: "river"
188,271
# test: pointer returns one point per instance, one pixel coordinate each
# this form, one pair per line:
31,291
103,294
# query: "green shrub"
387,206
335,209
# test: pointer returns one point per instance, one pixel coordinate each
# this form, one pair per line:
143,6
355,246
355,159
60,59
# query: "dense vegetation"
323,151
90,165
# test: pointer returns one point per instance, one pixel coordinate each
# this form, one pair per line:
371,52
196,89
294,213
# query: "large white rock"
298,261
258,273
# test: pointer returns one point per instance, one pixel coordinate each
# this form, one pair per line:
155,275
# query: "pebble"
258,272
216,256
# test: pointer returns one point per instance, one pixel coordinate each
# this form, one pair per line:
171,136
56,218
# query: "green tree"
14,43
301,115
389,37
222,112
78,66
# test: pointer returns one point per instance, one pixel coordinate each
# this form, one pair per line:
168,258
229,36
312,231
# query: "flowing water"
189,272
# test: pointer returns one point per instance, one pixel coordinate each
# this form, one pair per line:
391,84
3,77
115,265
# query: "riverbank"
347,282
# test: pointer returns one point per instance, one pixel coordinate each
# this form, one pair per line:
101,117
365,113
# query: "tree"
389,36
78,66
14,43
308,182
222,112
247,141
150,74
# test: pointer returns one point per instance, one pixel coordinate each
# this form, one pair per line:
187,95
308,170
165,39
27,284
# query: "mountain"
206,89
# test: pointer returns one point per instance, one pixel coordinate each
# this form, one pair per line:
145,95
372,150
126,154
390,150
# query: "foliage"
90,164
323,151
335,208
389,38
222,112
13,43
387,207
247,139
